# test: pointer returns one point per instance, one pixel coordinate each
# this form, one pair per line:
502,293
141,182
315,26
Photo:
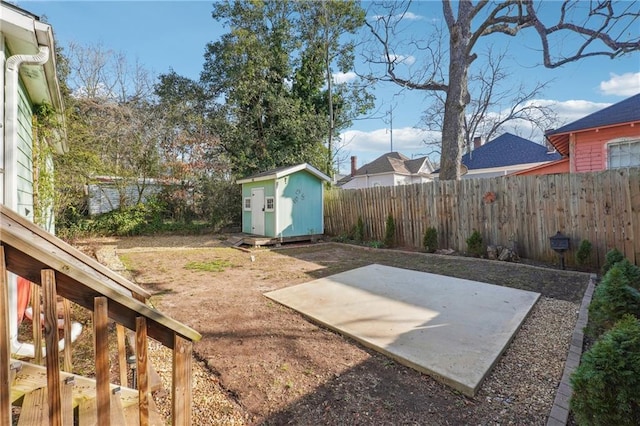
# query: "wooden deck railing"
58,269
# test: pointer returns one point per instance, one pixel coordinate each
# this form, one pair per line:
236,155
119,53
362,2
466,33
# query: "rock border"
560,410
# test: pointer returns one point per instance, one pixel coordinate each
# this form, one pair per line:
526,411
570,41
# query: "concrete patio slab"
450,328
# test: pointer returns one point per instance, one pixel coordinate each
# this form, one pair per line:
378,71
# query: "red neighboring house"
606,139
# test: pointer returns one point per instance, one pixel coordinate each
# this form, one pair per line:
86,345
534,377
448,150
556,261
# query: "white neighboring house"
389,169
107,193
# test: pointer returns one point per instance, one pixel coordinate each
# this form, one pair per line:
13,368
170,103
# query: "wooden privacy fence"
602,207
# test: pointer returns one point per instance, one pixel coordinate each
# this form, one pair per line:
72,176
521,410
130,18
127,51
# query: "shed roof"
626,111
284,171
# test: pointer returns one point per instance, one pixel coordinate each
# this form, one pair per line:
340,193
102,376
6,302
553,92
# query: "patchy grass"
216,265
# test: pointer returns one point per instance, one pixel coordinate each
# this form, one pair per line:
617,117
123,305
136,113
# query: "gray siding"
25,156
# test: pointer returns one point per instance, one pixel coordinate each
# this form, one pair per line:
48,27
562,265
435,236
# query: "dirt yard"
275,367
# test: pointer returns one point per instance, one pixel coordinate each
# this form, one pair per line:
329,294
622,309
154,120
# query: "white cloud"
627,84
566,112
411,16
572,110
402,59
344,77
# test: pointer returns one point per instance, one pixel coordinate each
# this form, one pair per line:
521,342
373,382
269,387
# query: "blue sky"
173,34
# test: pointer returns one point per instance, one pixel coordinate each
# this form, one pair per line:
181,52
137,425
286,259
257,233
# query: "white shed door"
257,211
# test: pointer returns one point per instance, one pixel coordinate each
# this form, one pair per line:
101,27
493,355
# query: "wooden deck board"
34,408
32,377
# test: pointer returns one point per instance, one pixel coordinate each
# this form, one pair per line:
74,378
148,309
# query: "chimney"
354,162
477,142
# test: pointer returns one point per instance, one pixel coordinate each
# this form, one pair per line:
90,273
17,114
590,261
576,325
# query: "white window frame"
620,142
246,204
266,204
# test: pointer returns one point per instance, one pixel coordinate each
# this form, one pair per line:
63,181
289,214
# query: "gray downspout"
10,170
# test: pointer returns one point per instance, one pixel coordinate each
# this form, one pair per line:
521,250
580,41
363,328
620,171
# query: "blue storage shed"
283,203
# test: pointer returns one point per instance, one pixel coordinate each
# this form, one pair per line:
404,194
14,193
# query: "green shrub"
390,232
612,299
474,244
606,384
430,240
612,257
631,272
135,220
359,232
583,255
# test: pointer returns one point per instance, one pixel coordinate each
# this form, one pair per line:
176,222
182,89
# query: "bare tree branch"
599,33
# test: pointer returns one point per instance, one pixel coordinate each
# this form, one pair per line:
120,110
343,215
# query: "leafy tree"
271,68
192,156
323,25
600,29
110,123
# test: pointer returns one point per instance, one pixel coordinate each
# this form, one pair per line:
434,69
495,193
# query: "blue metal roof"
624,111
507,150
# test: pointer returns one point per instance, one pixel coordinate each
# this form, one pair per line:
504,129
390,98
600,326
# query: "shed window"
624,154
247,204
270,204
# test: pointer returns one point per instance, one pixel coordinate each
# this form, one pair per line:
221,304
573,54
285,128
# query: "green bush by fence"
602,207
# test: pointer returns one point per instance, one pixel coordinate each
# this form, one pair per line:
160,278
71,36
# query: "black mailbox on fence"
560,243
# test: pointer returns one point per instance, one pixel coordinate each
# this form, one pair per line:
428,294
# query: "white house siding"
25,156
370,181
104,197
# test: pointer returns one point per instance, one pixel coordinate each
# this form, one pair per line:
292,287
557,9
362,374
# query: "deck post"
36,322
5,347
182,381
101,344
142,369
52,360
122,354
66,308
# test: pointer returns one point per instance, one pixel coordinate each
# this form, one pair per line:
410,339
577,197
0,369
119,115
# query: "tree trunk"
457,97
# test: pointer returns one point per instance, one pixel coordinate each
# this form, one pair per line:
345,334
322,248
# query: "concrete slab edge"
560,410
460,387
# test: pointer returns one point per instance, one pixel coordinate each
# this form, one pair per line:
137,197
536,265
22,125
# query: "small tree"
612,299
474,244
606,385
390,232
359,233
583,255
430,240
612,257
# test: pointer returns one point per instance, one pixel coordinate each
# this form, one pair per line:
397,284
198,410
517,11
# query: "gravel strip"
524,381
211,405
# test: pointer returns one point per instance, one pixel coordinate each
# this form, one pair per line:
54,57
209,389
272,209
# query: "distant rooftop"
507,150
394,162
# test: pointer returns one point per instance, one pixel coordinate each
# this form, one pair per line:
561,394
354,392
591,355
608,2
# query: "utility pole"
391,127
